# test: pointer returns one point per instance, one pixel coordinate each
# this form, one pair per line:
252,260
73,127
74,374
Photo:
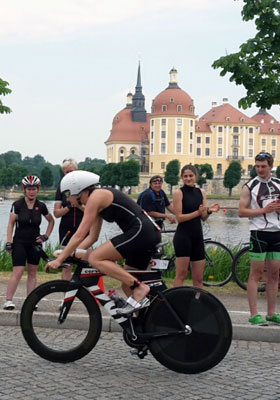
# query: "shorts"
24,252
137,244
189,245
264,245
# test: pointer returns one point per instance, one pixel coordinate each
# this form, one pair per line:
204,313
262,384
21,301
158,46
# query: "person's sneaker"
258,320
8,305
274,319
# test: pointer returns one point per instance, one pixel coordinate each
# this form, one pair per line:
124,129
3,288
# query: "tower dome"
173,100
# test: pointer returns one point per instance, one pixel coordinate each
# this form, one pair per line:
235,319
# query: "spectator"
26,216
190,208
260,202
154,201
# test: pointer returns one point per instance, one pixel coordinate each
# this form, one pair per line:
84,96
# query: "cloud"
36,20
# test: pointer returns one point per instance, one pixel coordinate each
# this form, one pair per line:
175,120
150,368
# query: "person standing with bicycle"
190,208
26,216
260,202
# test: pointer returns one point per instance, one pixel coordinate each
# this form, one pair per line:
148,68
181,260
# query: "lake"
225,227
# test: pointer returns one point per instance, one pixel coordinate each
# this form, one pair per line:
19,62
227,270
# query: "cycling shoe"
133,305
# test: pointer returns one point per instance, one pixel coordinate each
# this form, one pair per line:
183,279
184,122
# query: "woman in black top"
190,208
26,216
71,217
135,244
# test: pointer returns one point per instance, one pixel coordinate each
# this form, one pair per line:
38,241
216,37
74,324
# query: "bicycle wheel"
211,330
56,342
241,269
218,264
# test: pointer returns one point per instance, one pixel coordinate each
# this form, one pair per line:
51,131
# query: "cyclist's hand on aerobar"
54,264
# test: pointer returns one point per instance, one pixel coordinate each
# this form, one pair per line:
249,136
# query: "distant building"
172,131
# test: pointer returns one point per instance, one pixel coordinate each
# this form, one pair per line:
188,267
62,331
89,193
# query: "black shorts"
189,245
136,245
264,245
24,252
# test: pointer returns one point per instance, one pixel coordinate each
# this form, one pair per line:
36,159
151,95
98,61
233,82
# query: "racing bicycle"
186,329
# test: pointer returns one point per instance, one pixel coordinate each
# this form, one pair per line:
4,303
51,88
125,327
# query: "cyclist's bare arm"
244,205
91,222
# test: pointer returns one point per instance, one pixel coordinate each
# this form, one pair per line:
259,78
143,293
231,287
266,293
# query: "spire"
138,101
173,82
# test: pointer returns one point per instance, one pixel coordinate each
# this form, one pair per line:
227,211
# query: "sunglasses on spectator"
157,181
263,156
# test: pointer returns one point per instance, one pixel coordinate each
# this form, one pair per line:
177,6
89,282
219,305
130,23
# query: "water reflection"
225,227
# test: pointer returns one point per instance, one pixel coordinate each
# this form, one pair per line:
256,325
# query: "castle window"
163,134
235,140
190,148
163,147
164,108
220,140
207,140
273,142
162,165
198,139
251,142
191,122
207,151
198,151
171,100
179,134
191,135
179,121
220,129
179,108
220,152
263,142
250,153
235,129
251,130
178,147
163,121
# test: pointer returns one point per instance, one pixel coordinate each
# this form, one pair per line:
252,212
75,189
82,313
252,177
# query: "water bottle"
119,301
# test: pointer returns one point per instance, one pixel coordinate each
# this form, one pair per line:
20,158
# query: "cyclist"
26,216
154,201
190,208
260,202
135,244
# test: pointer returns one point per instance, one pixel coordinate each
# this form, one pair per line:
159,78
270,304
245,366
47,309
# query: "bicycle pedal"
141,353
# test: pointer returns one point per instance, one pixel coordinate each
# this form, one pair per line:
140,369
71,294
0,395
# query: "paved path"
249,371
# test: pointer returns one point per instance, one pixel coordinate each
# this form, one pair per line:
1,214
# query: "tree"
232,175
253,172
278,172
106,175
92,165
3,92
205,171
171,175
11,157
46,177
256,66
6,177
129,173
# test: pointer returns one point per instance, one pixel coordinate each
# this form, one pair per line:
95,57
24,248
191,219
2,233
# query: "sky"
71,63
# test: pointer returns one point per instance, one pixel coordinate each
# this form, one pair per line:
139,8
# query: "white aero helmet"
73,183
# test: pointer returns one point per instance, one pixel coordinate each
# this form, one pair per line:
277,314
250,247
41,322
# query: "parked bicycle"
186,329
218,262
241,269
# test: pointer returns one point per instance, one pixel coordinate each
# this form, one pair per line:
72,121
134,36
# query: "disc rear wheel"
207,338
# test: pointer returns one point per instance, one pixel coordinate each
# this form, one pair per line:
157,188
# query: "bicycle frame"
87,277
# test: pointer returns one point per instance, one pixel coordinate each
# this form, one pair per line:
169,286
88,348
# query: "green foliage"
253,172
46,177
232,175
256,66
205,171
120,174
93,165
278,172
171,175
4,90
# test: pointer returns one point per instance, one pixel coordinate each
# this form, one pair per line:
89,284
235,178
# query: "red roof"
267,123
124,129
172,98
226,113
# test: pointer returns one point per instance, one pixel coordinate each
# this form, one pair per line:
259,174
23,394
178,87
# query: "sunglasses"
157,181
262,156
70,160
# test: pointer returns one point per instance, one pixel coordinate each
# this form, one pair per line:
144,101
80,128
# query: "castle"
172,131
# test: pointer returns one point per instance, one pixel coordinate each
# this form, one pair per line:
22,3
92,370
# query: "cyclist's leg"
104,257
272,285
14,281
31,278
182,269
197,272
256,272
258,249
